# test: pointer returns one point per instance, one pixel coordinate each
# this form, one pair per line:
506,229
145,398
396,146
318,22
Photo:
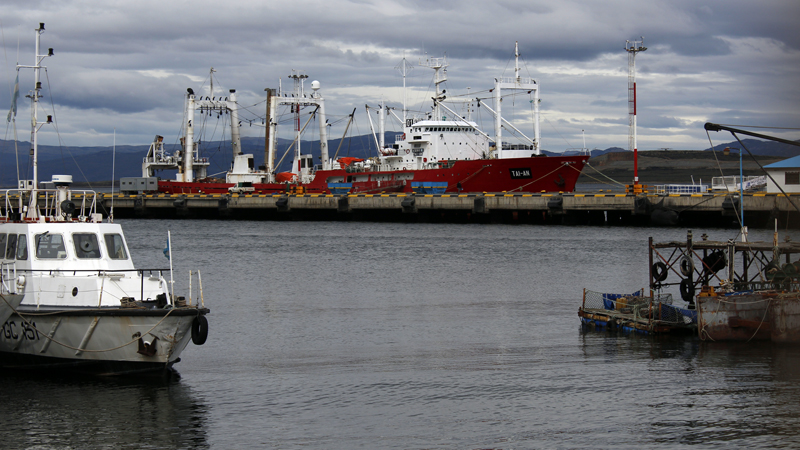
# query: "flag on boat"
166,250
13,111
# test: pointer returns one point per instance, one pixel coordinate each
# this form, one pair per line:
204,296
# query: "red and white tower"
633,47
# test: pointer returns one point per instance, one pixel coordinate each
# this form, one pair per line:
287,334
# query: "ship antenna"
113,166
34,96
404,67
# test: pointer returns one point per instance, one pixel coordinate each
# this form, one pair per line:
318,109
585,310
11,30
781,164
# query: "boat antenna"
404,67
113,166
34,96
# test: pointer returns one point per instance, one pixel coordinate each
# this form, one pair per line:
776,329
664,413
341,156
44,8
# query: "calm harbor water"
415,336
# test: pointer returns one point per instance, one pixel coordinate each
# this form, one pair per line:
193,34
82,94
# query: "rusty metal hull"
785,318
735,318
111,341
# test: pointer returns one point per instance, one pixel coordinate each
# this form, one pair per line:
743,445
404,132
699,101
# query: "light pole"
726,152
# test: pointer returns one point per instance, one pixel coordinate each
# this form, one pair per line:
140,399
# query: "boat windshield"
50,246
86,245
115,246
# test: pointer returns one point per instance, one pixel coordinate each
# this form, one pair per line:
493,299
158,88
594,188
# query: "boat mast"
404,67
439,65
517,83
188,144
236,140
34,96
271,130
296,100
382,125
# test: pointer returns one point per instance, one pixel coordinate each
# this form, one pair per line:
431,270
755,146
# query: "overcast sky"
125,65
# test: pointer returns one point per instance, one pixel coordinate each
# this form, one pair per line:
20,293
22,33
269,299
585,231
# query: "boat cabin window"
2,243
86,245
50,246
11,247
115,246
22,248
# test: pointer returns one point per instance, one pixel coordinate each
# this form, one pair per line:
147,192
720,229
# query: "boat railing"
82,202
8,278
680,189
99,272
732,183
512,80
783,284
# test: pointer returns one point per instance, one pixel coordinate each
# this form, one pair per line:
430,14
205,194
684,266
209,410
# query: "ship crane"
296,99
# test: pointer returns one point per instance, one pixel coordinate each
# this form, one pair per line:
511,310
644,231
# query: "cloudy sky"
123,66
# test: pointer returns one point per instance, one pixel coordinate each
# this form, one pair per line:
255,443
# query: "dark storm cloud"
131,62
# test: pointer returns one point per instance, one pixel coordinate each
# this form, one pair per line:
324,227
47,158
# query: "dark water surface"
367,335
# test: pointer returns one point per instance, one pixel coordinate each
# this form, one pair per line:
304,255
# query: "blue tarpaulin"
610,299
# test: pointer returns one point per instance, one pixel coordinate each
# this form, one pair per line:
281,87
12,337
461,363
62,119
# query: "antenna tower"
404,67
633,47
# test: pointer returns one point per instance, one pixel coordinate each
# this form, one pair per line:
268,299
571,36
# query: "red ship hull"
535,174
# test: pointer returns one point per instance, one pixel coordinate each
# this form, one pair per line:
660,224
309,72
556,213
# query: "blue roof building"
786,174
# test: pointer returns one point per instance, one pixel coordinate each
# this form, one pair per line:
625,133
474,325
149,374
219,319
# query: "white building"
786,173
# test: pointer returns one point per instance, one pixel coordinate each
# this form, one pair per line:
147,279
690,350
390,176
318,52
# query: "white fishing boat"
74,299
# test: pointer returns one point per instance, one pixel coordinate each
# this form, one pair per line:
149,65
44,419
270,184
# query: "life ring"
687,266
687,290
408,150
199,330
404,137
659,272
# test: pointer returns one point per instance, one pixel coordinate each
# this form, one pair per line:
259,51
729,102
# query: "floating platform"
636,313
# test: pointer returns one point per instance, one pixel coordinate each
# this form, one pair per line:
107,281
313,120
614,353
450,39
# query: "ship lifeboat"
347,160
284,177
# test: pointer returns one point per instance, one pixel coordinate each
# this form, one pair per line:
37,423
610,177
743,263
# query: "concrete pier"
761,209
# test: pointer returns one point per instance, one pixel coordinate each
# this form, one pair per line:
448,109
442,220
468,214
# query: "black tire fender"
687,290
659,272
199,330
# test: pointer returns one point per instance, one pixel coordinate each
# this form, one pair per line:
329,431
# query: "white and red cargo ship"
443,151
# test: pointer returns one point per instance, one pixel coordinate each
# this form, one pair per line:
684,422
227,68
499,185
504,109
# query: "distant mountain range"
94,164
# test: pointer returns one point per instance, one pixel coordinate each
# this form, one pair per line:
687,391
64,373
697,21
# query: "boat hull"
8,304
534,174
109,341
785,318
743,317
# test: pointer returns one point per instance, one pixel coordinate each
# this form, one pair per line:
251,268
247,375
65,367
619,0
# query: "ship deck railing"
51,207
665,189
734,183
